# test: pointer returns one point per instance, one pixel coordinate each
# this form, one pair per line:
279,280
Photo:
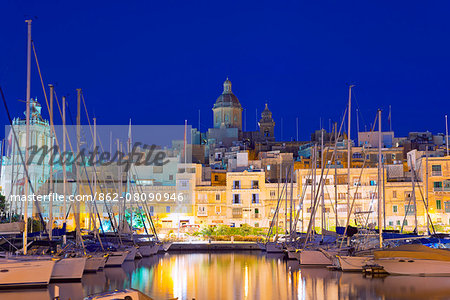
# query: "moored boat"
274,247
22,273
414,259
94,263
353,263
116,259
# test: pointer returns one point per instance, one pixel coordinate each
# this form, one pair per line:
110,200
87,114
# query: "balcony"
202,213
436,173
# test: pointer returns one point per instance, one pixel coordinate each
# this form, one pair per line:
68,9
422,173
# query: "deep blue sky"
159,62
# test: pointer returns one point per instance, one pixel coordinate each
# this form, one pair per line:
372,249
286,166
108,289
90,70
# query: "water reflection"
240,276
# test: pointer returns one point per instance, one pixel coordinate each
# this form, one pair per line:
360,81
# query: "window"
157,169
373,195
394,208
437,186
357,155
268,167
409,209
405,222
358,196
216,177
436,170
237,212
342,196
394,194
218,210
236,184
255,184
217,197
170,177
447,206
446,185
272,193
167,209
184,184
373,182
236,199
202,211
438,204
398,222
255,198
391,223
152,211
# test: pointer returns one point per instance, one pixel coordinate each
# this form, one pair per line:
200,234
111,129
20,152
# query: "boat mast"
92,219
335,178
323,196
380,231
446,134
349,147
413,194
77,204
426,188
50,214
27,139
64,168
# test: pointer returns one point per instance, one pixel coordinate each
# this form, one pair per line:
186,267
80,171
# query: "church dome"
227,99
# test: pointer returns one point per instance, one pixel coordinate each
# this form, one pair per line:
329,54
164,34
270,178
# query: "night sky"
159,62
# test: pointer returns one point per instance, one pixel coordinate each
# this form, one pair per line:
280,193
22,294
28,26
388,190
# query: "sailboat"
414,259
25,273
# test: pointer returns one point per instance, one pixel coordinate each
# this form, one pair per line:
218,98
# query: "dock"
216,246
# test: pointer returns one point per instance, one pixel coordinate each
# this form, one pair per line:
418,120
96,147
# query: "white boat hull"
353,263
132,254
417,267
148,250
272,247
94,263
116,258
314,258
69,268
17,273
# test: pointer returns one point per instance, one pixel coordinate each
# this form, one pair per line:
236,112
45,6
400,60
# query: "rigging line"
22,159
423,200
359,108
148,215
359,180
316,203
101,189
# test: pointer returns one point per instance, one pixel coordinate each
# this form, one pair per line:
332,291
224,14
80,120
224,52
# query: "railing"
202,213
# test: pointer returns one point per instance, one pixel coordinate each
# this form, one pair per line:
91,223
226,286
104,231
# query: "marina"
241,275
147,198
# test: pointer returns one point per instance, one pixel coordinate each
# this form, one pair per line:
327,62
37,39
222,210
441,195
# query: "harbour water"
241,275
